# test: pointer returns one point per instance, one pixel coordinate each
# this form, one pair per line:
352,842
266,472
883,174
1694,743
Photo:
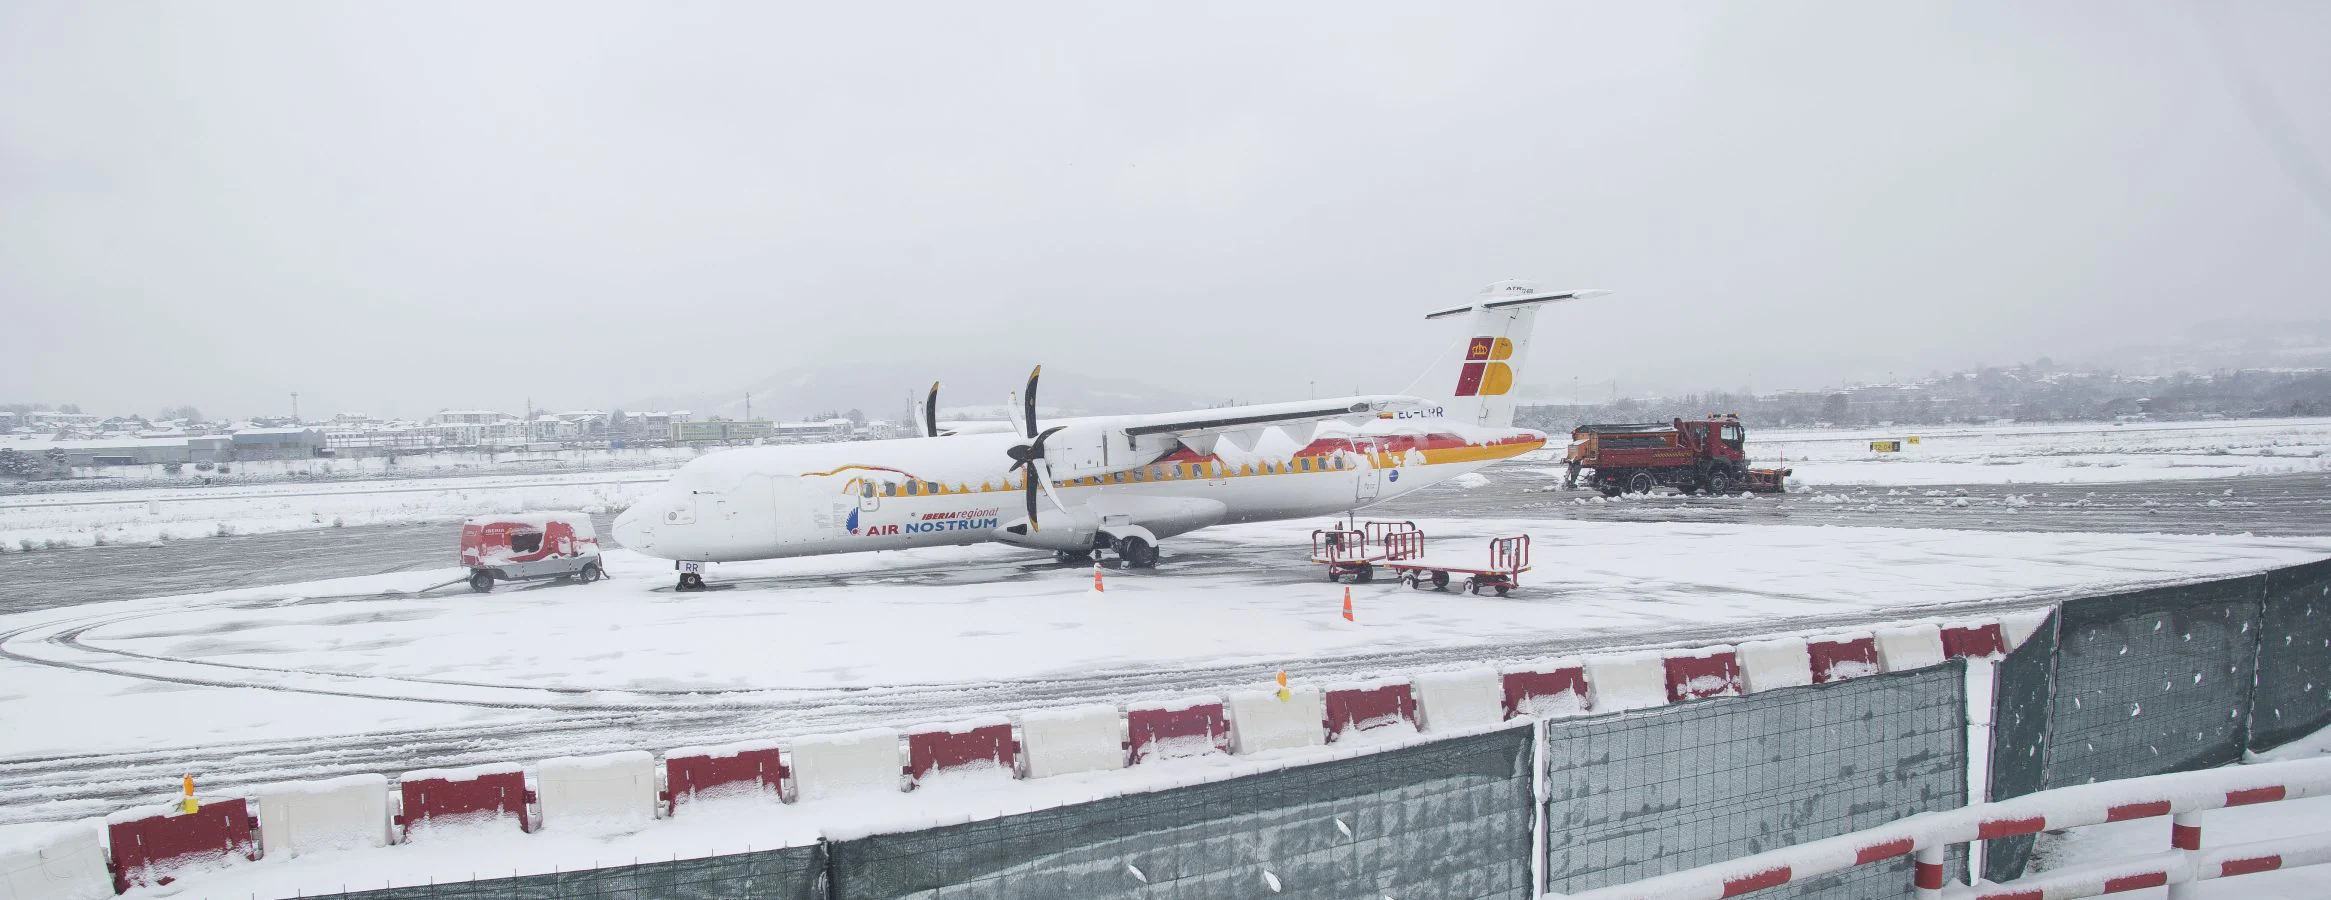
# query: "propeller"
1029,459
931,412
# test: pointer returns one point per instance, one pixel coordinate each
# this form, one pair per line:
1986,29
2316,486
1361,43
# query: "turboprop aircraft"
1119,484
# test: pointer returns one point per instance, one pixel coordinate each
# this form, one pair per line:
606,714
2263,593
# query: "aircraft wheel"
1138,553
590,573
1440,581
1640,483
691,582
481,581
1072,557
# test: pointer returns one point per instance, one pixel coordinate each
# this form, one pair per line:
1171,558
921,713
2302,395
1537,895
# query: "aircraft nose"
632,529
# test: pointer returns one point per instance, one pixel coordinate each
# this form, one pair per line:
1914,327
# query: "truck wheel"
1640,483
590,573
481,581
1719,482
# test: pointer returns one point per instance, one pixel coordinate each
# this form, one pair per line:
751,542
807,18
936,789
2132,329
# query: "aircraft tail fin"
1475,377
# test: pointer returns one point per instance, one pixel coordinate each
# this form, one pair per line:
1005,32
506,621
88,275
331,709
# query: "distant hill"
798,393
2226,345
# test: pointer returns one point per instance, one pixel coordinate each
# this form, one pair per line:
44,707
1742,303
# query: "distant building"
718,431
278,443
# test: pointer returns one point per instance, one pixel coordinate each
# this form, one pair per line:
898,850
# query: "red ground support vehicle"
530,547
1694,456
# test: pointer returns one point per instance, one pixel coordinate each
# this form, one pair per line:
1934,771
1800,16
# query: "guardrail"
1927,836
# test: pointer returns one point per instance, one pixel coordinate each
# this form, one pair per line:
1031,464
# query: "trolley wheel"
590,573
1364,574
1640,483
1502,589
1440,581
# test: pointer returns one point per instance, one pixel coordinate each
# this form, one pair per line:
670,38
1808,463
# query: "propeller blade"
1029,481
931,412
1028,399
1046,469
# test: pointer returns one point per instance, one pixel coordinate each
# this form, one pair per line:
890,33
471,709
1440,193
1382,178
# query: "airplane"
1117,484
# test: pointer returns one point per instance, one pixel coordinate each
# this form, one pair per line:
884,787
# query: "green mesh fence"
2293,696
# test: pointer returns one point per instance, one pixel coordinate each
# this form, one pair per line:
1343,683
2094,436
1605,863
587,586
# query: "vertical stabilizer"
1474,379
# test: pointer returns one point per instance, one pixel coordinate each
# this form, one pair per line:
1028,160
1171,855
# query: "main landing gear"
1135,552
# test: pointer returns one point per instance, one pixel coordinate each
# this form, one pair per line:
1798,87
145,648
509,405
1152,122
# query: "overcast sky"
394,208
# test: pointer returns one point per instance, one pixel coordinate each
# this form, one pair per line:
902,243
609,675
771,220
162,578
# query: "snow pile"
1469,480
336,814
1260,721
610,794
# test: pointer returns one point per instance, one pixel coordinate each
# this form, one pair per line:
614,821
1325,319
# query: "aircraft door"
1371,479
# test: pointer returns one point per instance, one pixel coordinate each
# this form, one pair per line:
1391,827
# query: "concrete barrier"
1777,663
1982,639
1907,647
1843,657
840,764
1626,681
1546,691
53,861
1701,672
1174,729
333,814
1077,739
1448,701
148,846
459,797
962,748
1260,721
730,770
611,793
1353,709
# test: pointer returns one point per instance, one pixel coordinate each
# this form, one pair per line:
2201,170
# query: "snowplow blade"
1767,481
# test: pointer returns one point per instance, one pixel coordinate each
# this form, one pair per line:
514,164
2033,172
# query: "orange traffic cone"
1347,603
1097,588
1283,694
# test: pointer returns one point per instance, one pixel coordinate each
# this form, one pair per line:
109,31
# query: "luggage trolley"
1356,551
1509,557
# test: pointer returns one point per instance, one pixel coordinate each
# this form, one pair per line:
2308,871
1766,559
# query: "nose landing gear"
691,575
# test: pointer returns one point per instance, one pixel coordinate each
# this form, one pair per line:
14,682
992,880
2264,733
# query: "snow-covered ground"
83,519
2088,453
835,642
2220,827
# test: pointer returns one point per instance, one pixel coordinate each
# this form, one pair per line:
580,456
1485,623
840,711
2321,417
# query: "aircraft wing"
1203,422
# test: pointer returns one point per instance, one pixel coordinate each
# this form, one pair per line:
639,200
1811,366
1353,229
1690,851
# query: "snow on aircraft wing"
1202,422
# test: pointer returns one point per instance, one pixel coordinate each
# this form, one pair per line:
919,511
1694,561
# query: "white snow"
129,517
1777,663
2080,453
1261,720
1088,738
857,763
53,861
1466,698
1623,681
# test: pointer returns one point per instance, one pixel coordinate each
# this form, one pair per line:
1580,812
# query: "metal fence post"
1928,872
2185,836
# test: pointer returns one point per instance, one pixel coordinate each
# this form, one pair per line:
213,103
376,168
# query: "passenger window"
1138,475
889,490
526,542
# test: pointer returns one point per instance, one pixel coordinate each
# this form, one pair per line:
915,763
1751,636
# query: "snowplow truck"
1694,456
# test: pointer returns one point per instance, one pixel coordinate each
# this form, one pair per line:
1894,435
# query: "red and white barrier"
1980,640
1777,663
1843,657
1928,834
1906,647
149,846
1077,739
1626,681
457,797
612,793
985,746
1174,729
1353,709
837,765
753,769
1260,721
53,861
335,814
1701,673
1449,701
1548,691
